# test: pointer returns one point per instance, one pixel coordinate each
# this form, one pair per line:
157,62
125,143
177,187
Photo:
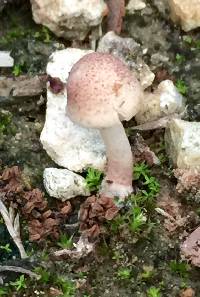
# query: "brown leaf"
106,202
111,213
12,172
115,15
96,209
11,177
93,232
65,210
35,230
35,200
47,214
49,223
83,214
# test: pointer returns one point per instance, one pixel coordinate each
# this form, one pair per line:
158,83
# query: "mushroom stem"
118,179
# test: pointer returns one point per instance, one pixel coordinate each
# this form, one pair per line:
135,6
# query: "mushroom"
102,92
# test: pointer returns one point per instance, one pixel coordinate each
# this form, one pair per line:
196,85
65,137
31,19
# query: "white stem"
118,180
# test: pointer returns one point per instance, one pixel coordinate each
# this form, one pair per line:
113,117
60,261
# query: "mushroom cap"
102,91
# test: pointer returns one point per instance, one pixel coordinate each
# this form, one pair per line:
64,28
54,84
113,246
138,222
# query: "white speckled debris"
165,100
64,184
71,19
134,5
68,144
183,143
5,59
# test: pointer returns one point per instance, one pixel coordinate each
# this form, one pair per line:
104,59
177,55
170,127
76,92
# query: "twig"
157,124
164,213
13,226
20,270
82,248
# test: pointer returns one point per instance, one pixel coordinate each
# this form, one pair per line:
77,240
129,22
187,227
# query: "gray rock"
123,48
71,19
64,184
183,143
68,144
128,51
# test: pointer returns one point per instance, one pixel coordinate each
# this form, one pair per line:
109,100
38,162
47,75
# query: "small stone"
68,144
186,12
189,292
64,184
165,100
118,46
71,19
135,5
183,143
145,74
5,59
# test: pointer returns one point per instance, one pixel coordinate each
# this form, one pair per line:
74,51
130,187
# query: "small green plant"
140,170
20,283
17,69
153,292
147,273
117,256
6,248
197,44
137,219
93,179
117,223
180,58
124,273
5,120
188,39
67,286
65,241
4,292
43,35
45,275
181,268
181,86
150,185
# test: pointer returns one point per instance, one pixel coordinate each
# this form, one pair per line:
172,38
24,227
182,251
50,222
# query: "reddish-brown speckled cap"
102,91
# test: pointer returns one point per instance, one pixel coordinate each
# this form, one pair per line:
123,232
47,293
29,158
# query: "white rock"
146,76
134,5
165,100
5,59
127,50
69,145
183,143
64,184
71,19
186,12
